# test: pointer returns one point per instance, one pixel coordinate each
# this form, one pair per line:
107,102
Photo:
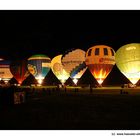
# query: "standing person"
21,96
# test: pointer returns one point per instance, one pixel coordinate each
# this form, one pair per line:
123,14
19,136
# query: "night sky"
24,33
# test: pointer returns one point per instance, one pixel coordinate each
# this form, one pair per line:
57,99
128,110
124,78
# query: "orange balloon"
100,60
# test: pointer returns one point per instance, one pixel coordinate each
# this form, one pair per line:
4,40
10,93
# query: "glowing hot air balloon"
100,60
58,69
128,61
39,66
73,62
19,70
5,73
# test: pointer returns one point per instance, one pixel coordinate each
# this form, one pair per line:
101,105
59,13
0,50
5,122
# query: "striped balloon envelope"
73,62
39,66
58,70
5,73
19,70
100,60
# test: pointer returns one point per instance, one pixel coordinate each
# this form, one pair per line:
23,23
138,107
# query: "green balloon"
128,61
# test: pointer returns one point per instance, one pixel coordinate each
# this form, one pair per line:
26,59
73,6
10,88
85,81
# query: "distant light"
6,80
1,59
38,85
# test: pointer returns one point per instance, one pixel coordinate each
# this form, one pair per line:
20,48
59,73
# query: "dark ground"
56,110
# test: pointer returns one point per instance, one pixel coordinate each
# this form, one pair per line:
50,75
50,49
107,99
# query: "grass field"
52,109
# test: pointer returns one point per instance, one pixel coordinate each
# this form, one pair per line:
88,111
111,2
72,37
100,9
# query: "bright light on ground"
63,80
75,81
100,81
134,80
39,79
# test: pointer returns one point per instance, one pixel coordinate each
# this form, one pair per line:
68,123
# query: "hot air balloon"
100,60
39,66
5,73
19,70
128,61
58,70
73,62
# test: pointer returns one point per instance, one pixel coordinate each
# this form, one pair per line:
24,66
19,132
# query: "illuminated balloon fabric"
19,70
100,60
39,65
128,61
5,73
58,69
73,62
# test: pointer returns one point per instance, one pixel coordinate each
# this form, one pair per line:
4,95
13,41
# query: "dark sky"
24,33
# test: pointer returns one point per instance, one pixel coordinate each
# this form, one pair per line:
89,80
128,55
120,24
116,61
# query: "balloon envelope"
19,70
73,62
128,61
5,73
100,60
39,66
58,70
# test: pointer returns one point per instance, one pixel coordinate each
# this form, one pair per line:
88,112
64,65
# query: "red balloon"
19,70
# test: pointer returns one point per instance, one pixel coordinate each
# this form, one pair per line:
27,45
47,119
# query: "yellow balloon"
128,61
58,70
